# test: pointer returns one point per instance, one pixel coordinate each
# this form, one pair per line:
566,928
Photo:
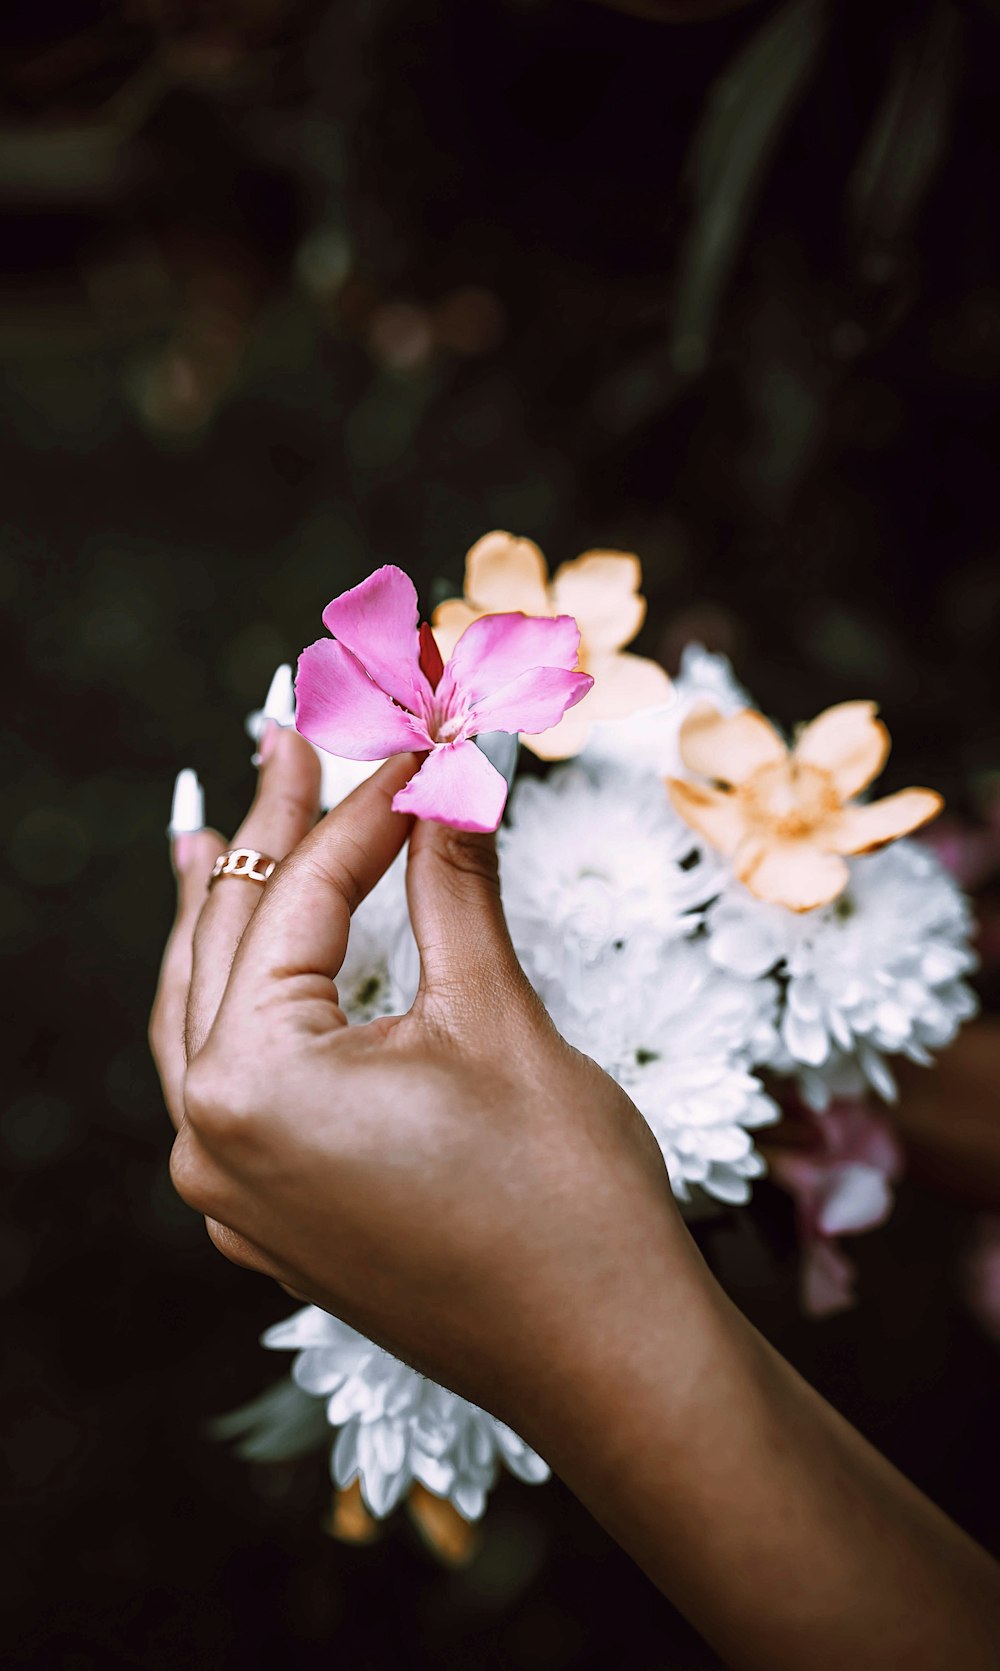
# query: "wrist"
637,1337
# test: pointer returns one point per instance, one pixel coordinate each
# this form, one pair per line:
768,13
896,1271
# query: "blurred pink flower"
379,687
841,1184
982,1274
969,852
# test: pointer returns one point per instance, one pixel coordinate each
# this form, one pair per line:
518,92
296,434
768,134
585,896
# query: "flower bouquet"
708,910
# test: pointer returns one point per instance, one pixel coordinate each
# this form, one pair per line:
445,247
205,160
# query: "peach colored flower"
786,817
600,590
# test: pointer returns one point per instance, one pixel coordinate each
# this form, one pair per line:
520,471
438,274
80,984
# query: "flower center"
447,728
789,798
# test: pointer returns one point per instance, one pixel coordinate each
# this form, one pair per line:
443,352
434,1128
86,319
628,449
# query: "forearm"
784,1537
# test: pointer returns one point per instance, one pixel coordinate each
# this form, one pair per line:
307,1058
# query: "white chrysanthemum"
381,970
339,776
395,1425
648,741
879,972
593,860
682,1042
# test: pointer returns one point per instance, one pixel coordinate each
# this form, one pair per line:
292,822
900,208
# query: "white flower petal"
855,1198
344,1460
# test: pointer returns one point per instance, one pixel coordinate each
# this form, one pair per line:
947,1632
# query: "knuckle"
155,1034
191,1175
212,1098
224,1097
292,806
341,871
470,855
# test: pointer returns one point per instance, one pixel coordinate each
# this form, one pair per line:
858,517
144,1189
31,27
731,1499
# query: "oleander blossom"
337,775
681,1038
787,818
878,973
593,859
839,1168
396,1428
379,687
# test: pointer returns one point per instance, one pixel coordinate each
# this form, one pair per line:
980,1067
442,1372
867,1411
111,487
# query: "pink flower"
379,687
840,1179
982,1274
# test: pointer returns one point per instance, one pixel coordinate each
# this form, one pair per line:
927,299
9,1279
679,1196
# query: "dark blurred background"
294,289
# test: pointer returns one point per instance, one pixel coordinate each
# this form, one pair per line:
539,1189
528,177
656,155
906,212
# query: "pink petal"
623,684
534,702
852,1131
456,785
377,621
497,649
800,1178
827,1280
339,708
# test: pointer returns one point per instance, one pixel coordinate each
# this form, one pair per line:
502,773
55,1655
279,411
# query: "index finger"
301,925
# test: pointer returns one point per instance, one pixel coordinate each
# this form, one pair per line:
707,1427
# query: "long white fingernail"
279,705
187,810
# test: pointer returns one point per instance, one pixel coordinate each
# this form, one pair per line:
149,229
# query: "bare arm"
480,1198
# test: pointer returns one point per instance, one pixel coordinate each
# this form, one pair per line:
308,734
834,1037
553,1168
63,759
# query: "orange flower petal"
567,738
622,685
848,742
503,574
794,874
861,829
350,1520
450,621
713,813
728,750
450,1536
600,589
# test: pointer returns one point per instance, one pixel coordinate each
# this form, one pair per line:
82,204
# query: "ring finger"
284,810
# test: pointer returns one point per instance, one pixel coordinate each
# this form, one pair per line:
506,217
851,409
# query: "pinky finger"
193,853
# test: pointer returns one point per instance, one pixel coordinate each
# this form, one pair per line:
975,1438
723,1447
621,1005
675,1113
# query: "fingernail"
279,704
278,709
187,809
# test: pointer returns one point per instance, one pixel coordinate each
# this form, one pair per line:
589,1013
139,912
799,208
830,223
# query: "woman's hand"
457,1182
466,1189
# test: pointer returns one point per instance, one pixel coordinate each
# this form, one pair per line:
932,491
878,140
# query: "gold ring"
243,862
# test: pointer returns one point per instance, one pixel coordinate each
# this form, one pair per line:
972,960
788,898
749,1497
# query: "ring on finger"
246,864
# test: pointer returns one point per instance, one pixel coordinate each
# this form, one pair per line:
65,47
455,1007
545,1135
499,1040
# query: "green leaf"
747,111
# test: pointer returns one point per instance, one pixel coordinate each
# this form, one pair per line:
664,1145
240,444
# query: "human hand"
467,1190
458,1183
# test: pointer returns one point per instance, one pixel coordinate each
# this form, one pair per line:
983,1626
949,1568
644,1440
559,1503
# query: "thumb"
467,960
